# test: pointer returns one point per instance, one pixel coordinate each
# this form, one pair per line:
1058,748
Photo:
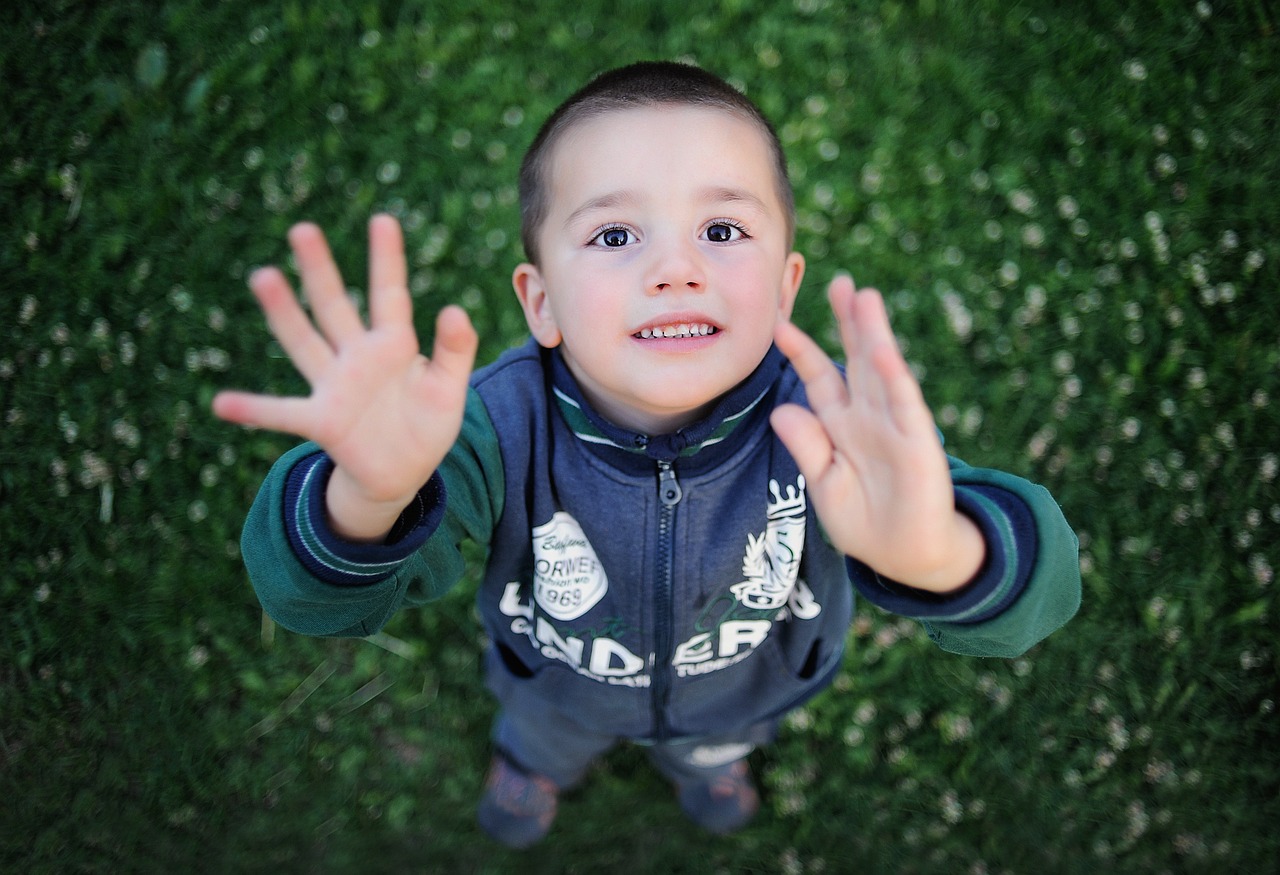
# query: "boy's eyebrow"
724,194
603,202
711,195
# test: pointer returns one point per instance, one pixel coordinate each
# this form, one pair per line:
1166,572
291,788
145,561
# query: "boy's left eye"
724,232
613,237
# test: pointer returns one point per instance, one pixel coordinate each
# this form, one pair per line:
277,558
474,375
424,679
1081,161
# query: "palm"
868,448
385,413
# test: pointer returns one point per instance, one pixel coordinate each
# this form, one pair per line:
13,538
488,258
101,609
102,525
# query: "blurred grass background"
1071,208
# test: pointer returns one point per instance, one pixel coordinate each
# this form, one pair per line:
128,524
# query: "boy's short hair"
648,83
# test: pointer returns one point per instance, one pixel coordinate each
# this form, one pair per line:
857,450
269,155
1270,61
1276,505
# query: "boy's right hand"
385,413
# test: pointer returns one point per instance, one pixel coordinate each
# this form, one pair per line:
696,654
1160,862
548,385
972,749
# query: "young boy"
678,491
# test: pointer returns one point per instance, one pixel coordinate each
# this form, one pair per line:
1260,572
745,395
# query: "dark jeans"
545,741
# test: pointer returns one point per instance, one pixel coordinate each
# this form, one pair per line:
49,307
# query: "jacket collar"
745,403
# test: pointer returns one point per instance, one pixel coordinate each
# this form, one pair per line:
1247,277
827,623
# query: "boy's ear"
532,292
792,274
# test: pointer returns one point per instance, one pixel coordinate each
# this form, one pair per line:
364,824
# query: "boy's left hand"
870,453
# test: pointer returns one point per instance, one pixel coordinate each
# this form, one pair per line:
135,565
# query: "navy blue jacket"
653,587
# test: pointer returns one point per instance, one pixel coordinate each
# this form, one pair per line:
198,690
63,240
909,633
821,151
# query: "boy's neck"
714,422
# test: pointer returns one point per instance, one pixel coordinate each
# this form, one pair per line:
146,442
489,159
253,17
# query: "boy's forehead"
621,144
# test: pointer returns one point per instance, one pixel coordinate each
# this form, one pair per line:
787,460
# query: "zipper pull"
668,486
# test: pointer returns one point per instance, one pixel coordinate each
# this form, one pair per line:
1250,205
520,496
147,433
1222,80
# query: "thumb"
802,433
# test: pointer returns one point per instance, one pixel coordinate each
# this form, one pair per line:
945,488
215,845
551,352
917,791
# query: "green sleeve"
1051,595
303,574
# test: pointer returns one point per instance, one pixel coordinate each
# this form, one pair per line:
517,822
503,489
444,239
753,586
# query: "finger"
872,319
290,415
289,324
841,295
333,310
904,398
869,325
455,345
388,275
822,381
804,437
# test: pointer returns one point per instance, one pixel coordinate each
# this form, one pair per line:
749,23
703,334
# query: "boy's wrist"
355,518
967,551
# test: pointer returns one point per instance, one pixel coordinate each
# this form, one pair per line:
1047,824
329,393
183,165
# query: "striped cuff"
1008,529
336,561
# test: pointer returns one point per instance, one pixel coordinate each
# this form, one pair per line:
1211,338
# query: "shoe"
518,806
723,804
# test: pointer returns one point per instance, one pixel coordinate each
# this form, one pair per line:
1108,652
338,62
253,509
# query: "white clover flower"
1041,441
388,172
197,656
952,810
872,179
1022,201
1117,734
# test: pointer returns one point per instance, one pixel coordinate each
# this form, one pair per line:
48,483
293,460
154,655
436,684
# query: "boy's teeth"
683,329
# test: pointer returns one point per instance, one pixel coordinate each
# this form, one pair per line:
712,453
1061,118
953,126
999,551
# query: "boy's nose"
674,267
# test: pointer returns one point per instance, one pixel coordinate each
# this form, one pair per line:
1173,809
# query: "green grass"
1073,213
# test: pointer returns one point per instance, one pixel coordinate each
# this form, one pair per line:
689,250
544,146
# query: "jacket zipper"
669,494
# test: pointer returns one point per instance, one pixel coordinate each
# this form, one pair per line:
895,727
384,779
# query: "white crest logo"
771,565
568,579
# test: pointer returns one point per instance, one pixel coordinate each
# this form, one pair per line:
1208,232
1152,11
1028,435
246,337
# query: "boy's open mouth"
679,329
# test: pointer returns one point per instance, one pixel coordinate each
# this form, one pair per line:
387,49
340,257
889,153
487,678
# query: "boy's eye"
723,232
613,237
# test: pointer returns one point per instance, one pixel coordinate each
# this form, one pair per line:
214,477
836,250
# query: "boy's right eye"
613,238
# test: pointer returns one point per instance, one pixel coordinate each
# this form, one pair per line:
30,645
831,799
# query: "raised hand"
386,414
870,454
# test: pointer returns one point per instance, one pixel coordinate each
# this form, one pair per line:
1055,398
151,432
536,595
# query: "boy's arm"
972,552
312,581
1027,587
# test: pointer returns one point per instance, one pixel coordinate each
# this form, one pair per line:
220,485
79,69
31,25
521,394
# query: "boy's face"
664,261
